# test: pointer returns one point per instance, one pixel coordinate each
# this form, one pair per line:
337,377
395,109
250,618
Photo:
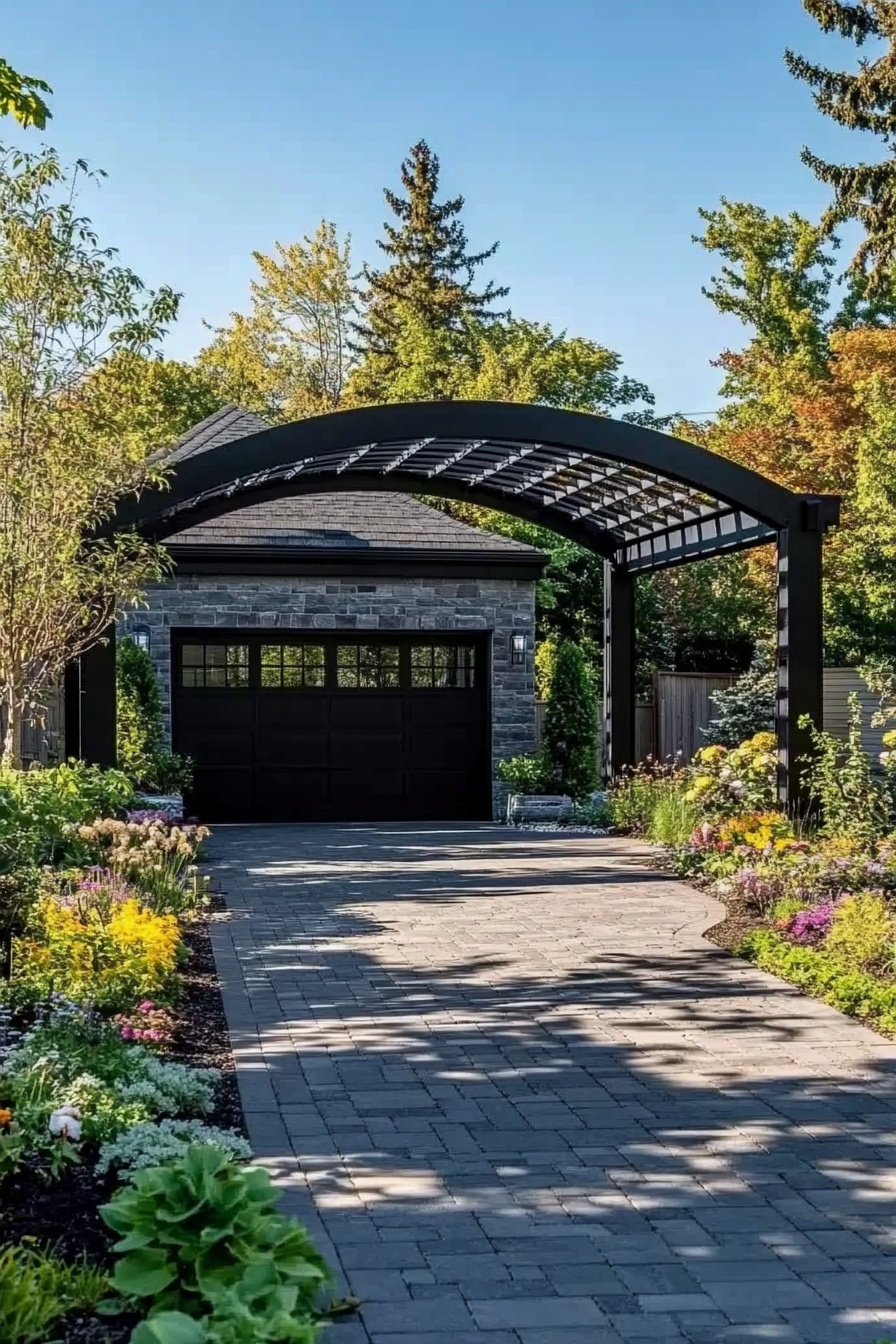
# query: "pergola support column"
90,719
800,676
619,669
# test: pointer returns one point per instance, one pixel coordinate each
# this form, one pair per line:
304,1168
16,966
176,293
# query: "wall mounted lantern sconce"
517,649
140,636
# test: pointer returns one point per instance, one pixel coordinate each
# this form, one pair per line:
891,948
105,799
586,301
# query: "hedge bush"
823,976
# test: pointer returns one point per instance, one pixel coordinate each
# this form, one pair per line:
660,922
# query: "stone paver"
519,1099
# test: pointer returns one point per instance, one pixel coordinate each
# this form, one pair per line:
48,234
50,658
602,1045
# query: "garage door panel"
276,709
351,711
284,794
373,795
445,793
367,749
224,747
443,752
212,709
222,793
306,734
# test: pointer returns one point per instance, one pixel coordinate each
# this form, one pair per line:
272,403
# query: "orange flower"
5,1117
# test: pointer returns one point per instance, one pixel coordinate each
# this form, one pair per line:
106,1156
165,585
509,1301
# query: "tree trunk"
11,707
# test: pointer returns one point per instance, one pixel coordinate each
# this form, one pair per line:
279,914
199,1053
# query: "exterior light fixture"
517,649
140,636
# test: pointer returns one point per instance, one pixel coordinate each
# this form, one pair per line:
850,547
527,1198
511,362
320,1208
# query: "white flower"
737,787
65,1123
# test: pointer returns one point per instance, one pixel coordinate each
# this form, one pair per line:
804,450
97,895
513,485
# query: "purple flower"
152,814
810,927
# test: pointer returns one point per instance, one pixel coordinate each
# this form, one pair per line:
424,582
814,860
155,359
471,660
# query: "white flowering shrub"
167,1088
159,1143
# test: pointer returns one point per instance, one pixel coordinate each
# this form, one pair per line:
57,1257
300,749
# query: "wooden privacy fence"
682,706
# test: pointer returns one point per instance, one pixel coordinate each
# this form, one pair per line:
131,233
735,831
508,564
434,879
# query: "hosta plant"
193,1230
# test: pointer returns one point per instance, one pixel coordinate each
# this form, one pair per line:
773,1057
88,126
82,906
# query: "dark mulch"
201,1038
730,932
64,1215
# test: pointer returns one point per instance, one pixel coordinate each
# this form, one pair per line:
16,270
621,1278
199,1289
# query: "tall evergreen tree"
428,283
864,101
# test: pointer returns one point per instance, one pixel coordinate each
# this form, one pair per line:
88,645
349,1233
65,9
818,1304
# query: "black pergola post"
800,675
619,669
90,724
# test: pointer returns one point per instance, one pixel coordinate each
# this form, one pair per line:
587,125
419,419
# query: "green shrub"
139,710
142,753
786,908
637,794
157,1142
202,1235
824,977
18,893
545,662
839,777
570,725
527,774
673,818
747,707
40,809
36,1289
862,934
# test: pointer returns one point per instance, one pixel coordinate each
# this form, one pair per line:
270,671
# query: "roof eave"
409,561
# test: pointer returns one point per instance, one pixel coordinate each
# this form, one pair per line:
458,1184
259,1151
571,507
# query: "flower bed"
817,905
118,1100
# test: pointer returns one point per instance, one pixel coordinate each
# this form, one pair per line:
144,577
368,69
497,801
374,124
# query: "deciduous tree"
67,453
291,355
20,97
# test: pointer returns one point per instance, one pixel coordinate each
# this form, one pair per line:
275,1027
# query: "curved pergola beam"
229,476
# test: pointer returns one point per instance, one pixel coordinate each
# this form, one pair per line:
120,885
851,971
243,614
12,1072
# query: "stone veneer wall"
500,606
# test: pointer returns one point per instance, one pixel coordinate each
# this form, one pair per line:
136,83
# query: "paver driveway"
520,1100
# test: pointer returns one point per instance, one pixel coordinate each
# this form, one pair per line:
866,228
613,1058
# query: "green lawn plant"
201,1236
640,791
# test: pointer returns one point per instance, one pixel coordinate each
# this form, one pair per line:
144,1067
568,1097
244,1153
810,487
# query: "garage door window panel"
372,667
443,666
215,666
296,667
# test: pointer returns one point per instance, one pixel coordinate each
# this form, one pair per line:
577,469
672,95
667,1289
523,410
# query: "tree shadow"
532,1101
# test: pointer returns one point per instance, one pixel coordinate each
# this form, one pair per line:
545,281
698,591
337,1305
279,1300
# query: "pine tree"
570,722
864,101
428,283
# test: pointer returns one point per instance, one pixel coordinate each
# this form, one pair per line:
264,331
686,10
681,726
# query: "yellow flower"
5,1117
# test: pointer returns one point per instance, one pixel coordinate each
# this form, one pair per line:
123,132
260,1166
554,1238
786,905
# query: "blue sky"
583,133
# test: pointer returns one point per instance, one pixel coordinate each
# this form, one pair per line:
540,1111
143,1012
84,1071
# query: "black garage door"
304,728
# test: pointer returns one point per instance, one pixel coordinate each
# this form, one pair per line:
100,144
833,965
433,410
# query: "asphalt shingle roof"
356,520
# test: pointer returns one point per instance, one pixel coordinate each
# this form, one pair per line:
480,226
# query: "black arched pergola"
641,499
